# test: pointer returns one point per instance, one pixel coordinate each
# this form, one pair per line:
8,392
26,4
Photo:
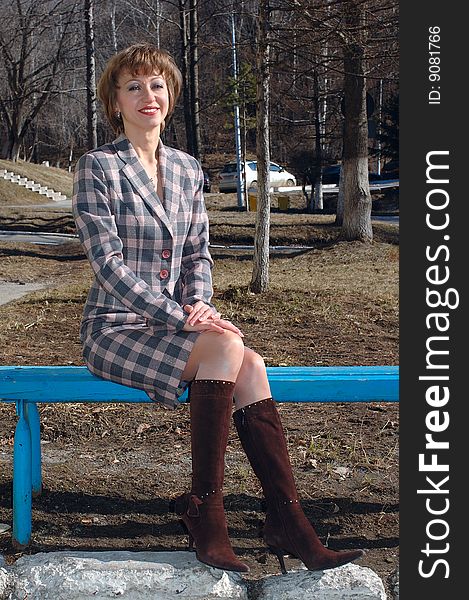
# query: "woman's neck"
145,144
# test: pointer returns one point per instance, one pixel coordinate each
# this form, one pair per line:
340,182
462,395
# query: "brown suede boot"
202,511
287,531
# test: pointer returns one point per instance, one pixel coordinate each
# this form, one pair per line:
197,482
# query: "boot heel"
190,546
191,542
280,556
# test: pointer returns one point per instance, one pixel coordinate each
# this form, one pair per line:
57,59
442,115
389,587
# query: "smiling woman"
150,301
140,60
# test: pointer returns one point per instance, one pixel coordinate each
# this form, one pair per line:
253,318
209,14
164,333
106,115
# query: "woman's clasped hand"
203,317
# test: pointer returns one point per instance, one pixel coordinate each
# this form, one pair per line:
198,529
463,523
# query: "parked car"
207,184
391,170
331,175
278,176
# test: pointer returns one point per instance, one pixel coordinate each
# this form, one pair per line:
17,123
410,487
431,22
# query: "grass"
59,180
327,303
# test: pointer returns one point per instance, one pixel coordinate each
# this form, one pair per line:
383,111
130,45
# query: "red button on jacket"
166,253
164,273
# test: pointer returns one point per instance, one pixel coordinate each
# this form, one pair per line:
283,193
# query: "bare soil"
110,471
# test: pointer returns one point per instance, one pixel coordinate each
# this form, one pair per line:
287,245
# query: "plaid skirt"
137,356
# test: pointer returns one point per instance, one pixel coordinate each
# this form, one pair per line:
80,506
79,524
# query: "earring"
118,115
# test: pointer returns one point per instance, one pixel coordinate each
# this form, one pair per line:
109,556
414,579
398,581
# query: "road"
32,237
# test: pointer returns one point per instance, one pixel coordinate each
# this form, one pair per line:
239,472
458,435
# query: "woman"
149,322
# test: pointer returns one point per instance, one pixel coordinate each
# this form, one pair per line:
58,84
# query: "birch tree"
92,117
357,197
260,274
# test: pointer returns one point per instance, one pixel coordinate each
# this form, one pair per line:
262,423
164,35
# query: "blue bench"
28,386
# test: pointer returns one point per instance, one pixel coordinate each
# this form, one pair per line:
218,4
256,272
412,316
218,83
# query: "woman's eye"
158,86
133,87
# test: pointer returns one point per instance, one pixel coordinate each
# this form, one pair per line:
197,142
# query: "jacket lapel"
140,181
172,176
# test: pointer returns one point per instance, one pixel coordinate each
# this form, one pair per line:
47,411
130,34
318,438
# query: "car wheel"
290,182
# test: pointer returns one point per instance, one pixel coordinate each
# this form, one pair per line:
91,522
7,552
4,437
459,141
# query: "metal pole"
239,168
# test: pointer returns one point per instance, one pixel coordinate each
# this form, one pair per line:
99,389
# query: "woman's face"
143,101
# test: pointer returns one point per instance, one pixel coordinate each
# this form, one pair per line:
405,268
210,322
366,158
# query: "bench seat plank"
289,384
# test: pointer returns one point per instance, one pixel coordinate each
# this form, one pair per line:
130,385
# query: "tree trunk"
194,79
113,26
357,198
260,275
185,70
14,145
91,110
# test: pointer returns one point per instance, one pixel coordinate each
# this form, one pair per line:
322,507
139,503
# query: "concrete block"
395,584
349,582
5,583
127,575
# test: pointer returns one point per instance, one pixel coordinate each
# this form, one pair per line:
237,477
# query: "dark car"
331,174
391,170
207,184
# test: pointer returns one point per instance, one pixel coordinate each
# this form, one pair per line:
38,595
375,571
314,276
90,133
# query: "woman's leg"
252,383
212,368
215,356
286,530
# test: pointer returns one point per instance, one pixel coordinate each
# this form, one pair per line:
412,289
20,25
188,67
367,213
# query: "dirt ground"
110,471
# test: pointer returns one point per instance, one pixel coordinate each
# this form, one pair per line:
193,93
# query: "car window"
252,165
274,167
229,168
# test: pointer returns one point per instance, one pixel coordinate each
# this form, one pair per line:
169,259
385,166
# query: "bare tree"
357,197
260,274
189,31
306,38
92,117
31,75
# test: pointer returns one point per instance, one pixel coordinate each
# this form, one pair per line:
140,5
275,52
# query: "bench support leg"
22,499
32,417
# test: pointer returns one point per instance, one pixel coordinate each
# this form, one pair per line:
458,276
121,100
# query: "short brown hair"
141,59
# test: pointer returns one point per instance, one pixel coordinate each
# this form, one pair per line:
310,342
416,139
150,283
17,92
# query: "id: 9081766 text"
434,68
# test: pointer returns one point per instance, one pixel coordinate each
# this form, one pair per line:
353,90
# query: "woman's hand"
200,312
211,320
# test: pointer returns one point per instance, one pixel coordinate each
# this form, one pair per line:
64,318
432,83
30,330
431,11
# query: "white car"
228,181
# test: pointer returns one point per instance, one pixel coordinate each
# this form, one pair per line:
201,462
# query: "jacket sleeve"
99,237
197,263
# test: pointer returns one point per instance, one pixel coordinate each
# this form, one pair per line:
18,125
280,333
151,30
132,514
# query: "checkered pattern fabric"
149,256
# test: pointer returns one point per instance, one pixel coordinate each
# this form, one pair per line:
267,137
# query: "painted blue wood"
32,417
28,385
22,500
289,384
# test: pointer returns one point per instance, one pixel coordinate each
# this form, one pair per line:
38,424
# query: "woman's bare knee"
215,355
252,383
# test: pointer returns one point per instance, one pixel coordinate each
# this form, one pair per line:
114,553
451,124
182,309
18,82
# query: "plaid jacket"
149,256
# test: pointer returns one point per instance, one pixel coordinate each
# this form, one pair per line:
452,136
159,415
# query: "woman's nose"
148,92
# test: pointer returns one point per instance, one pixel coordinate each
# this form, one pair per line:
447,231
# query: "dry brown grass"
59,180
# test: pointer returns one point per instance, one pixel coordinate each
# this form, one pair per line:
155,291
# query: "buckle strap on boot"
193,506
